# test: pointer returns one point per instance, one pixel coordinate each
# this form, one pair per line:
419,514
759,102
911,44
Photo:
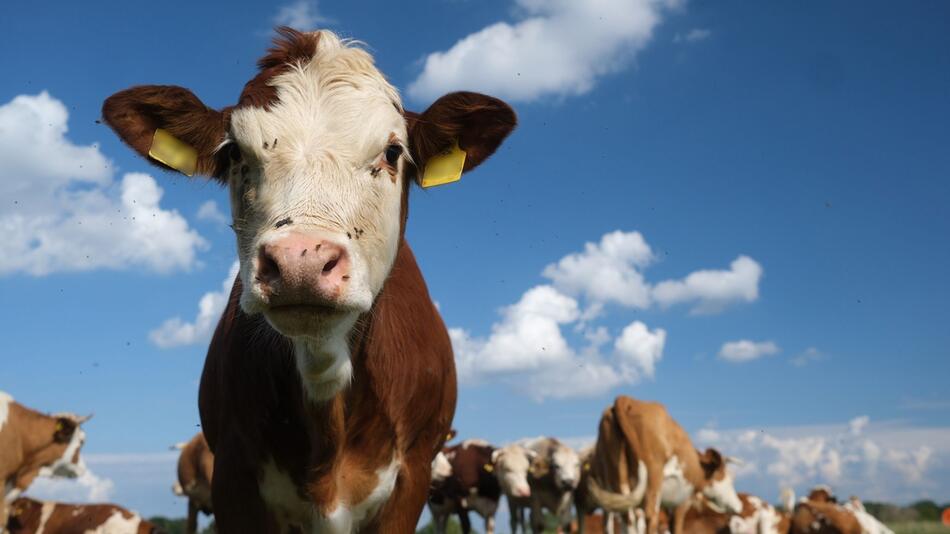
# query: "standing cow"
34,444
512,463
195,470
29,516
329,385
555,473
472,486
644,458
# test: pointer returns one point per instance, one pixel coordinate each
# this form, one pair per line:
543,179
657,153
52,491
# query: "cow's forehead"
335,99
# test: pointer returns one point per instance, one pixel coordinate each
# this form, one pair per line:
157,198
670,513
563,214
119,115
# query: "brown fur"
195,472
30,440
633,431
253,406
472,475
67,518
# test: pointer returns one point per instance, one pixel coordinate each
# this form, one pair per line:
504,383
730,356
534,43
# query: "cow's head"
719,488
68,438
441,468
318,155
567,467
511,465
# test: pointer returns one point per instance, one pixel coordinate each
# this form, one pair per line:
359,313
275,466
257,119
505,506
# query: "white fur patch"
675,488
118,524
441,467
723,493
474,442
5,401
64,466
45,512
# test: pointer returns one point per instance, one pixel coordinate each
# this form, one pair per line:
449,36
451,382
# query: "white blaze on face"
567,467
69,465
722,493
326,138
512,464
441,467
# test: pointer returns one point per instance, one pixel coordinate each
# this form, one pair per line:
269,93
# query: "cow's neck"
39,430
325,363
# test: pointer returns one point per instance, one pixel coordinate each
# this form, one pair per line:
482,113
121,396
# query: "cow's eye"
392,154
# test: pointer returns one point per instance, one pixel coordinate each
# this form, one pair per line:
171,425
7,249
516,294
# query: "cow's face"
318,155
719,488
68,439
441,468
511,465
567,467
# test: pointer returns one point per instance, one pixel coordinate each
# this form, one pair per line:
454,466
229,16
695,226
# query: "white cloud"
745,350
528,349
61,210
87,488
303,15
208,211
713,290
608,271
877,461
811,354
694,35
176,332
558,48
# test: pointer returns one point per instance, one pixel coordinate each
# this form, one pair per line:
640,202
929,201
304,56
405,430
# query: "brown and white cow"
643,458
329,385
472,486
30,516
34,444
756,517
512,465
555,472
820,513
195,472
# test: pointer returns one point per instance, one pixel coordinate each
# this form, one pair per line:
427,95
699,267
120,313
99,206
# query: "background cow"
472,486
756,517
29,516
512,464
195,470
642,456
555,473
330,382
33,444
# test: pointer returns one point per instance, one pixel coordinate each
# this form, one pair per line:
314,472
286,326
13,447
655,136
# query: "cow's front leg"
238,506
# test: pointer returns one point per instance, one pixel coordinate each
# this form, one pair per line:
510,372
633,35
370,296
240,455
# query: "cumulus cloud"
303,15
712,290
176,332
694,35
745,350
556,48
809,355
62,211
208,211
641,347
877,461
87,488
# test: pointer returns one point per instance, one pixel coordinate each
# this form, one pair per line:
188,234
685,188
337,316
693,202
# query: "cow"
756,517
555,473
512,464
195,470
822,493
329,384
30,516
643,458
823,517
35,444
869,523
472,486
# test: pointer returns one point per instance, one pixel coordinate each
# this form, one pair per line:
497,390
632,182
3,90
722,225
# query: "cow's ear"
477,122
64,430
189,132
711,460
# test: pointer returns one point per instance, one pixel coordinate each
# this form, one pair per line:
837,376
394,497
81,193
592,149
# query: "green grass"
918,527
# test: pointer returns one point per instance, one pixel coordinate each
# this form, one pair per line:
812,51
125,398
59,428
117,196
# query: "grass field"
919,527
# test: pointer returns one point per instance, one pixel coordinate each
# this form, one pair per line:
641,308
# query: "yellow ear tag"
445,167
489,467
586,466
171,151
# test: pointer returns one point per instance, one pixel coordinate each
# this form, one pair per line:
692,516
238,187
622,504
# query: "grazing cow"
195,469
34,444
644,458
472,486
329,385
512,463
555,473
29,516
756,517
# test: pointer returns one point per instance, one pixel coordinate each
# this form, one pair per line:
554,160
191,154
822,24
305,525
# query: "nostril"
267,269
330,265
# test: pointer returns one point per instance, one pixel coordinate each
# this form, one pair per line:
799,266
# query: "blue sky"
810,140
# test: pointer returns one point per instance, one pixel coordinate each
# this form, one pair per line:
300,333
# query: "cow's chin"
308,320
